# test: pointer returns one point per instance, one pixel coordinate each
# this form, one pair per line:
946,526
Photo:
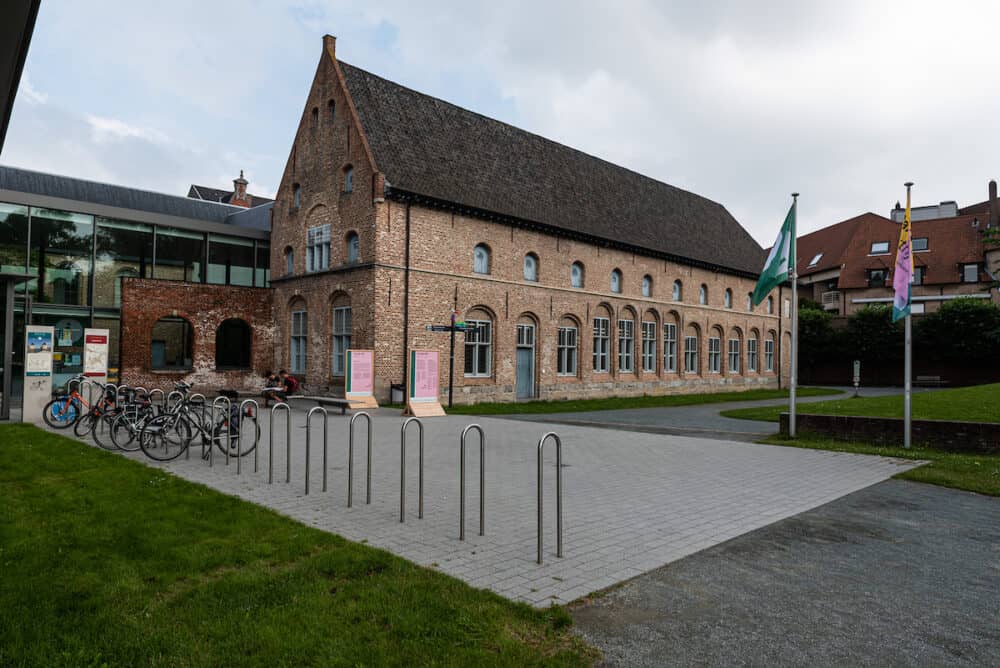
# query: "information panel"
359,381
422,390
95,353
38,342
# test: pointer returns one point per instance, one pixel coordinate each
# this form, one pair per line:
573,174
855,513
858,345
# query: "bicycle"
128,423
93,422
65,409
168,435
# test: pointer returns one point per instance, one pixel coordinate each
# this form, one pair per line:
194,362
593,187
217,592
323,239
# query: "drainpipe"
406,299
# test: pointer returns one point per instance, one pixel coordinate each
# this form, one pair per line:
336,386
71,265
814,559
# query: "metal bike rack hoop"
350,458
541,449
326,419
482,481
192,398
402,468
225,404
256,435
288,443
163,398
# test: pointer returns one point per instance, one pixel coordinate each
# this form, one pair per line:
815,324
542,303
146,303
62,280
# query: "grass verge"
108,562
965,404
618,403
971,472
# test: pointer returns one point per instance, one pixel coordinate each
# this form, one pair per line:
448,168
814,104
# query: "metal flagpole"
908,347
794,274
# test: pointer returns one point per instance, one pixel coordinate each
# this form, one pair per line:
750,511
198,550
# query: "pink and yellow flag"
902,277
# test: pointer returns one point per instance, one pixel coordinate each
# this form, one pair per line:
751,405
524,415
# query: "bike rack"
89,385
256,435
326,440
402,468
228,407
191,399
541,449
482,481
350,458
163,398
171,400
288,443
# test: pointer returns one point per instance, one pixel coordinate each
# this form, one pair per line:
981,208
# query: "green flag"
780,261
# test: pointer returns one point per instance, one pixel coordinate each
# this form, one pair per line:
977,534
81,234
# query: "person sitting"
290,383
274,389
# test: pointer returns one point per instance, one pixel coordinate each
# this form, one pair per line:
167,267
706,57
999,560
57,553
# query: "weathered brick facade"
205,307
392,305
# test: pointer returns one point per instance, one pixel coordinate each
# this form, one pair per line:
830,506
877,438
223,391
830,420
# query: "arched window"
703,295
331,110
626,341
531,267
576,275
348,179
678,291
342,330
647,286
315,118
715,350
735,348
616,281
296,196
567,347
750,301
752,343
670,343
691,343
289,261
770,305
728,298
481,259
478,343
171,344
769,353
232,345
353,247
298,337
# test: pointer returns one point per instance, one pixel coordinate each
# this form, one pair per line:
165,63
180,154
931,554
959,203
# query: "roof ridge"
529,132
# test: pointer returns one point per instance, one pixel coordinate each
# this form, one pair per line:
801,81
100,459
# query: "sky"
740,102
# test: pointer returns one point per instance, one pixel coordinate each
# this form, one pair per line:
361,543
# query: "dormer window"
816,258
880,248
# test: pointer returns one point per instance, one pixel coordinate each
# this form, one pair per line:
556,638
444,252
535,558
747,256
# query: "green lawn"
617,403
980,403
108,562
972,472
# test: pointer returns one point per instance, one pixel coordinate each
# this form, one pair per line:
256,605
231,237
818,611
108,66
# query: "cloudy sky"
741,102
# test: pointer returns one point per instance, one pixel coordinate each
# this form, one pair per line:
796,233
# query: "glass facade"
60,251
230,260
122,250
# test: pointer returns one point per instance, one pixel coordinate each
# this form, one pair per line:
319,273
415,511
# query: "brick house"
582,278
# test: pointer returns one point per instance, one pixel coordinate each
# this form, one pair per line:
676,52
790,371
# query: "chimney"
330,44
240,197
994,219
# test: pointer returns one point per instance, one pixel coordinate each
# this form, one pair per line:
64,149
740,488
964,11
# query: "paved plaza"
632,501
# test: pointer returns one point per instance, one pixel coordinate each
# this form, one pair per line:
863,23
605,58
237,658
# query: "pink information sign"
423,375
360,373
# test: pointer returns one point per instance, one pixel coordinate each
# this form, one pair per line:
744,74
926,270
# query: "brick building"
582,278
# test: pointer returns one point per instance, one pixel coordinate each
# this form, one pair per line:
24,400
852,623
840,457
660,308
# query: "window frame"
926,244
678,291
602,344
340,339
486,259
298,341
648,356
477,344
647,286
352,244
727,298
965,272
734,355
626,345
573,282
615,281
703,295
566,352
317,248
348,179
872,250
691,354
669,347
714,354
532,259
752,354
769,354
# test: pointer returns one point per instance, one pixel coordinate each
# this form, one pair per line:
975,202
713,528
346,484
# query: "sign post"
359,381
38,341
95,354
455,326
423,385
857,376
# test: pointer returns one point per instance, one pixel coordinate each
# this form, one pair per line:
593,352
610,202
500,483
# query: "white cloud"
105,130
27,92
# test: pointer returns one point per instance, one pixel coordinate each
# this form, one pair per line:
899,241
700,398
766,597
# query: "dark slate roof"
428,147
216,195
258,217
52,185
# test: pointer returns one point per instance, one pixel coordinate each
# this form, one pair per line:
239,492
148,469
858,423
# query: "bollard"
256,435
402,469
482,481
223,404
192,399
350,458
541,449
326,419
288,441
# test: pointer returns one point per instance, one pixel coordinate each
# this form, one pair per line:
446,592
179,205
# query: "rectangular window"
970,272
341,338
690,354
299,341
179,255
880,248
670,348
919,244
566,352
60,252
13,239
876,278
526,336
768,354
318,248
262,270
734,355
649,347
602,345
478,348
714,354
124,250
917,308
918,275
752,355
626,341
230,260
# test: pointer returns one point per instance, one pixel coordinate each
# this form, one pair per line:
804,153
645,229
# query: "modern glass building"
79,239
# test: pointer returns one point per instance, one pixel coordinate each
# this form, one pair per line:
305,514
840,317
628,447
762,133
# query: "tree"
962,330
817,338
872,336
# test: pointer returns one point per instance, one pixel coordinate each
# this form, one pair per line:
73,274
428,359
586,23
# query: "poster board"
359,381
38,343
95,353
422,385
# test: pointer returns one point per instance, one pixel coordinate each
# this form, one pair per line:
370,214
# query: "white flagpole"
908,350
793,271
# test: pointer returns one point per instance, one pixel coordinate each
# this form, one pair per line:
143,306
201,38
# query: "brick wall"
205,307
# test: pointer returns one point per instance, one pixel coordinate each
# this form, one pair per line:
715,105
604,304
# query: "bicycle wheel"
242,441
84,424
61,412
165,437
101,432
124,433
